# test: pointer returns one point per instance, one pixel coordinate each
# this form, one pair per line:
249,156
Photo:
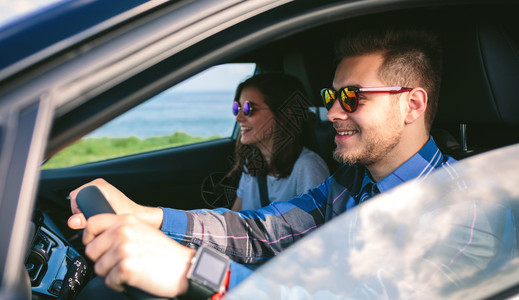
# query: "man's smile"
346,132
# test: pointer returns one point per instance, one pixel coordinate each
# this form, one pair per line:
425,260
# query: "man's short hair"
412,57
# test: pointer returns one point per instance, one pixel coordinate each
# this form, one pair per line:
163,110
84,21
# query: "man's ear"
416,104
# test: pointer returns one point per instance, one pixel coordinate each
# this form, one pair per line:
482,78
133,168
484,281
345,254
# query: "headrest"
480,81
314,66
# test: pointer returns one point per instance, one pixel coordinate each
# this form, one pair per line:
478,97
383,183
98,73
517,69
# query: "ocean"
200,113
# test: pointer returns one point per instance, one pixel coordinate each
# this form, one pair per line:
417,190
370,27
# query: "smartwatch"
207,273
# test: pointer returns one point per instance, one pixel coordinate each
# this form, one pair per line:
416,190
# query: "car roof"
64,24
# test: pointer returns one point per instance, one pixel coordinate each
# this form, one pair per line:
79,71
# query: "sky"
225,77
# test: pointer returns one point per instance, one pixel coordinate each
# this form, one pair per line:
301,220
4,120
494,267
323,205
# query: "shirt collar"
420,164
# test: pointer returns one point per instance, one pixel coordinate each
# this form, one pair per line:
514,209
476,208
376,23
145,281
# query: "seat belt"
263,190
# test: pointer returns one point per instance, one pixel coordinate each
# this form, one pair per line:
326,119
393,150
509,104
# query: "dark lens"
246,108
235,108
348,100
328,98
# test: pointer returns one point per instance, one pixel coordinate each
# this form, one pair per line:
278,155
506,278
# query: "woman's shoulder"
309,157
309,171
307,154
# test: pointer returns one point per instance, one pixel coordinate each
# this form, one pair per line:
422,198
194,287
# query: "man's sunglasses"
247,108
349,95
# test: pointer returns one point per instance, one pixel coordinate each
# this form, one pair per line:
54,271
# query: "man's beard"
374,147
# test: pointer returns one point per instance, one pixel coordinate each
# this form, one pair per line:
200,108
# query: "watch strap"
196,291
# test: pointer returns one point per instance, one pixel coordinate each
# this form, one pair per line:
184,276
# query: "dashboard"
55,268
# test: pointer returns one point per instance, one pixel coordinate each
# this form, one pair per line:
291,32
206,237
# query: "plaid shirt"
255,236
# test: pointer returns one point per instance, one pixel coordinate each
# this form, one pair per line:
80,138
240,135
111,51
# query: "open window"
193,111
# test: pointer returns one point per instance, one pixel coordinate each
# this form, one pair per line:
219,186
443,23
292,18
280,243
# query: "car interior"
478,111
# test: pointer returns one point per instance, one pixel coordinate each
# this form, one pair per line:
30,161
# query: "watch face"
210,268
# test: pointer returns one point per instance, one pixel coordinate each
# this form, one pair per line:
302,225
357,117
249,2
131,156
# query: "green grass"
97,149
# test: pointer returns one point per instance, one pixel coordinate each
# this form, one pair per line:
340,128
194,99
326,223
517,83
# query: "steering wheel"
91,201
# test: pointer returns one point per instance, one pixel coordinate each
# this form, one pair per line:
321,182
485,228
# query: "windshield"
452,235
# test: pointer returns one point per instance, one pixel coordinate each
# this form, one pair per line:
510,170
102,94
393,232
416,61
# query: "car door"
23,130
80,78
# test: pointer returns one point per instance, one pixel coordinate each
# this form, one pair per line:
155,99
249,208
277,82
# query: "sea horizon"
175,111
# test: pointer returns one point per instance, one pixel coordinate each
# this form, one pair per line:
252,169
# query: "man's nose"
336,112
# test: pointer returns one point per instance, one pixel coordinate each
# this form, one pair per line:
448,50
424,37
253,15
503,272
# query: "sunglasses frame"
353,101
246,112
247,108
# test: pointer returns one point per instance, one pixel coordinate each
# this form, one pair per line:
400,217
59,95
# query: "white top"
309,171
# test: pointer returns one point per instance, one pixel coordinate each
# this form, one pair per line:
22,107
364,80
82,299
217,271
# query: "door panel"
169,178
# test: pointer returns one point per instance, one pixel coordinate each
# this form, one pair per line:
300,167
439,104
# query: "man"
383,101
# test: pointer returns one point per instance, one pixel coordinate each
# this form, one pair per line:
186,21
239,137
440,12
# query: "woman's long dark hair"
285,97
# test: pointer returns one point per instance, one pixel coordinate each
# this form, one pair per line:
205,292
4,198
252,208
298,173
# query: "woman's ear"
416,105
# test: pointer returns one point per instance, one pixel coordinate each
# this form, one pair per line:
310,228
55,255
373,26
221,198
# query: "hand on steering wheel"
131,254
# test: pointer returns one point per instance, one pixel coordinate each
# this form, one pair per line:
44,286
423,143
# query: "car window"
450,235
194,111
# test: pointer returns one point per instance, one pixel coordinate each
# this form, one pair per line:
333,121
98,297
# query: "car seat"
315,70
480,88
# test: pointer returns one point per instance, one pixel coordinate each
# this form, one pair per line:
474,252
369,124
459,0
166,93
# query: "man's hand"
119,202
128,251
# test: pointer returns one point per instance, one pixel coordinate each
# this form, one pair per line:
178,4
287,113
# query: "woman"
275,141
